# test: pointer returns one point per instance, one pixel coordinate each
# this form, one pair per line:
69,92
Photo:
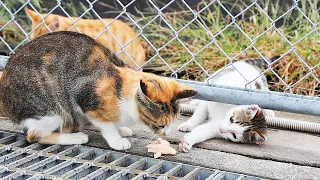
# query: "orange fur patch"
97,55
109,105
51,139
48,58
94,28
34,136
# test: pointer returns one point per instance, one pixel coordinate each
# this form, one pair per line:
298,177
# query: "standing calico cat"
244,123
56,82
93,28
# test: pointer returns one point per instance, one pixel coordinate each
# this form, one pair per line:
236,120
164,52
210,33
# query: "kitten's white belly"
128,113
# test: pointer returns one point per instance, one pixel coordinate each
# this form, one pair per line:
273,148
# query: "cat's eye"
161,126
231,119
234,135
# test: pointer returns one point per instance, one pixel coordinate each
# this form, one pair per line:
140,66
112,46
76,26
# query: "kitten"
93,28
52,85
244,123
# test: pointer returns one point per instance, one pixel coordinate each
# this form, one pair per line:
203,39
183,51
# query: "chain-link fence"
190,40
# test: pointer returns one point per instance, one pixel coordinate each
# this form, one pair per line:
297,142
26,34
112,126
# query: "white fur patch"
46,124
128,113
72,138
110,132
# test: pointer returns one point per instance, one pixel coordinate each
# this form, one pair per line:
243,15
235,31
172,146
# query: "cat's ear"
185,91
143,87
260,138
33,16
143,92
55,23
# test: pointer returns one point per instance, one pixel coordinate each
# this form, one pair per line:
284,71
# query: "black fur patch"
186,94
257,84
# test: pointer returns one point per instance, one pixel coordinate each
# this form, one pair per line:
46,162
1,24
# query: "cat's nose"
163,134
220,130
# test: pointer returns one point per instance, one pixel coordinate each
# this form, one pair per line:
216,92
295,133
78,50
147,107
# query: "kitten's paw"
121,144
184,146
185,127
125,131
79,138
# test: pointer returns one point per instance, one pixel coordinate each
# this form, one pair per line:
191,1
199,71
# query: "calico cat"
245,123
93,28
57,82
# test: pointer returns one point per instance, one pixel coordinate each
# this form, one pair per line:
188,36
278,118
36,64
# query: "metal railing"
192,39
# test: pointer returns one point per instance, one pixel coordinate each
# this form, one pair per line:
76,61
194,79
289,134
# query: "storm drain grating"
21,160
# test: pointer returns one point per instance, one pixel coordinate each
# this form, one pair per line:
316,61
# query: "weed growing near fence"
209,40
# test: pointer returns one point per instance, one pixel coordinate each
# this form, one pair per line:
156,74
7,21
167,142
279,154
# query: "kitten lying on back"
244,123
52,85
93,28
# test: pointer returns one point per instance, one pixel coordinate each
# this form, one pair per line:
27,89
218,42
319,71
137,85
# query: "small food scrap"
159,147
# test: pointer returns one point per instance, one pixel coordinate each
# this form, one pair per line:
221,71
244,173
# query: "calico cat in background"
93,28
57,82
245,123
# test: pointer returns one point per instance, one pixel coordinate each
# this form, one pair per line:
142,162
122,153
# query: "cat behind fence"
118,33
56,83
245,123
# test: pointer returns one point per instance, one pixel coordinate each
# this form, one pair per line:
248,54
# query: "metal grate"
21,160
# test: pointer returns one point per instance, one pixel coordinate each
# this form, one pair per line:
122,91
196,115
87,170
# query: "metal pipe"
265,99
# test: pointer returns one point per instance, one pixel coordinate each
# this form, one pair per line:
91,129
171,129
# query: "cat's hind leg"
199,115
42,131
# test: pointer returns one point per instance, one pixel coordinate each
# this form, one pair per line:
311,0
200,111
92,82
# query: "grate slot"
147,164
208,174
5,134
129,160
4,151
22,163
162,167
38,177
35,147
50,149
22,143
119,175
108,157
183,171
81,171
193,174
45,164
8,139
5,172
73,151
7,159
62,168
174,170
93,155
17,176
101,174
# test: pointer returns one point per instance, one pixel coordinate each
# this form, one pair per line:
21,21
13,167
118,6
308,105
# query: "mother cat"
52,85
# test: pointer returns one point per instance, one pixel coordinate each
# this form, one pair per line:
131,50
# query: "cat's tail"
260,62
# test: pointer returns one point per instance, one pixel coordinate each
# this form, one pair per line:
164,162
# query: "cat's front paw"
122,144
125,132
185,127
184,146
79,138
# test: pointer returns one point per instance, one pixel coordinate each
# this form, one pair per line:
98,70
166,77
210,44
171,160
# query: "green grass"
253,22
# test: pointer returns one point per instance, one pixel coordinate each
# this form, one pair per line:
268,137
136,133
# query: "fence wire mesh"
186,39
